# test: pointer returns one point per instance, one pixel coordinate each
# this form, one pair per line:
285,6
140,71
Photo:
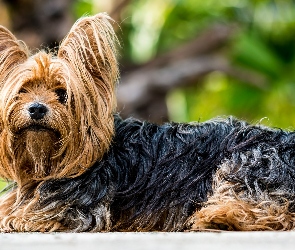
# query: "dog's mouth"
38,128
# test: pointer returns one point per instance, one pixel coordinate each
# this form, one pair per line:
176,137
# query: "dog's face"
56,111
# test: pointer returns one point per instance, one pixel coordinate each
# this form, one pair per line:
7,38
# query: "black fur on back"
154,177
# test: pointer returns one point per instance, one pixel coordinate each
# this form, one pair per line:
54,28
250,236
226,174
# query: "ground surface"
151,241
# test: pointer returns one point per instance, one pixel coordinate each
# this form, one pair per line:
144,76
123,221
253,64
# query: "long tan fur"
81,129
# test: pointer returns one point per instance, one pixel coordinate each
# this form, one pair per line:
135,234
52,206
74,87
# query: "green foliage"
262,44
82,8
252,52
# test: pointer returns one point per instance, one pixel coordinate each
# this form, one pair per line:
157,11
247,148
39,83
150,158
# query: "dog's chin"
39,140
36,148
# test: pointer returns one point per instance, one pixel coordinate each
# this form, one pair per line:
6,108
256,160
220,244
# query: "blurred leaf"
3,184
82,8
252,52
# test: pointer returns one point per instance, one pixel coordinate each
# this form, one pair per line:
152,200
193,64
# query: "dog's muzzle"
37,110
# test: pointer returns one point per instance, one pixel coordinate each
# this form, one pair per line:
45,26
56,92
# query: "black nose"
37,110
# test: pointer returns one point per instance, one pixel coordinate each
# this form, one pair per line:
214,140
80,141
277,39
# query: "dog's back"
168,172
188,176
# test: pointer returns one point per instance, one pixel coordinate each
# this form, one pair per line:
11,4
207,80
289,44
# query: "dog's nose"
37,110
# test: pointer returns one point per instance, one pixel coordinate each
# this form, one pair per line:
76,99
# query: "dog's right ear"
12,51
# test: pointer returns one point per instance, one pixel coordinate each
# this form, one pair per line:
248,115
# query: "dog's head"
56,110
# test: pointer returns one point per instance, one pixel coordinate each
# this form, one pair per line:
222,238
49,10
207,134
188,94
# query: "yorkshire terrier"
76,166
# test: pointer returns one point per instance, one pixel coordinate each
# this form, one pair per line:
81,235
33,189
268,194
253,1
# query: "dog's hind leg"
238,215
234,208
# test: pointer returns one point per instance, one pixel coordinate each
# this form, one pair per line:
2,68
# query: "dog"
75,165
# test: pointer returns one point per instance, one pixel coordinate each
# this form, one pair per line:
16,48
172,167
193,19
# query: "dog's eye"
61,95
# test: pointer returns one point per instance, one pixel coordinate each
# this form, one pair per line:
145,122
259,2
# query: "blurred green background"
254,81
261,47
263,42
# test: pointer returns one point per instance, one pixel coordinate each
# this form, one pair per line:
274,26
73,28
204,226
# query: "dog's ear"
12,51
89,51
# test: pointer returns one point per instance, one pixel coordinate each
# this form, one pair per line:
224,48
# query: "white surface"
153,241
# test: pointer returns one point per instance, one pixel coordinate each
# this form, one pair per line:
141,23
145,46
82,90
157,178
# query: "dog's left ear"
12,51
89,51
